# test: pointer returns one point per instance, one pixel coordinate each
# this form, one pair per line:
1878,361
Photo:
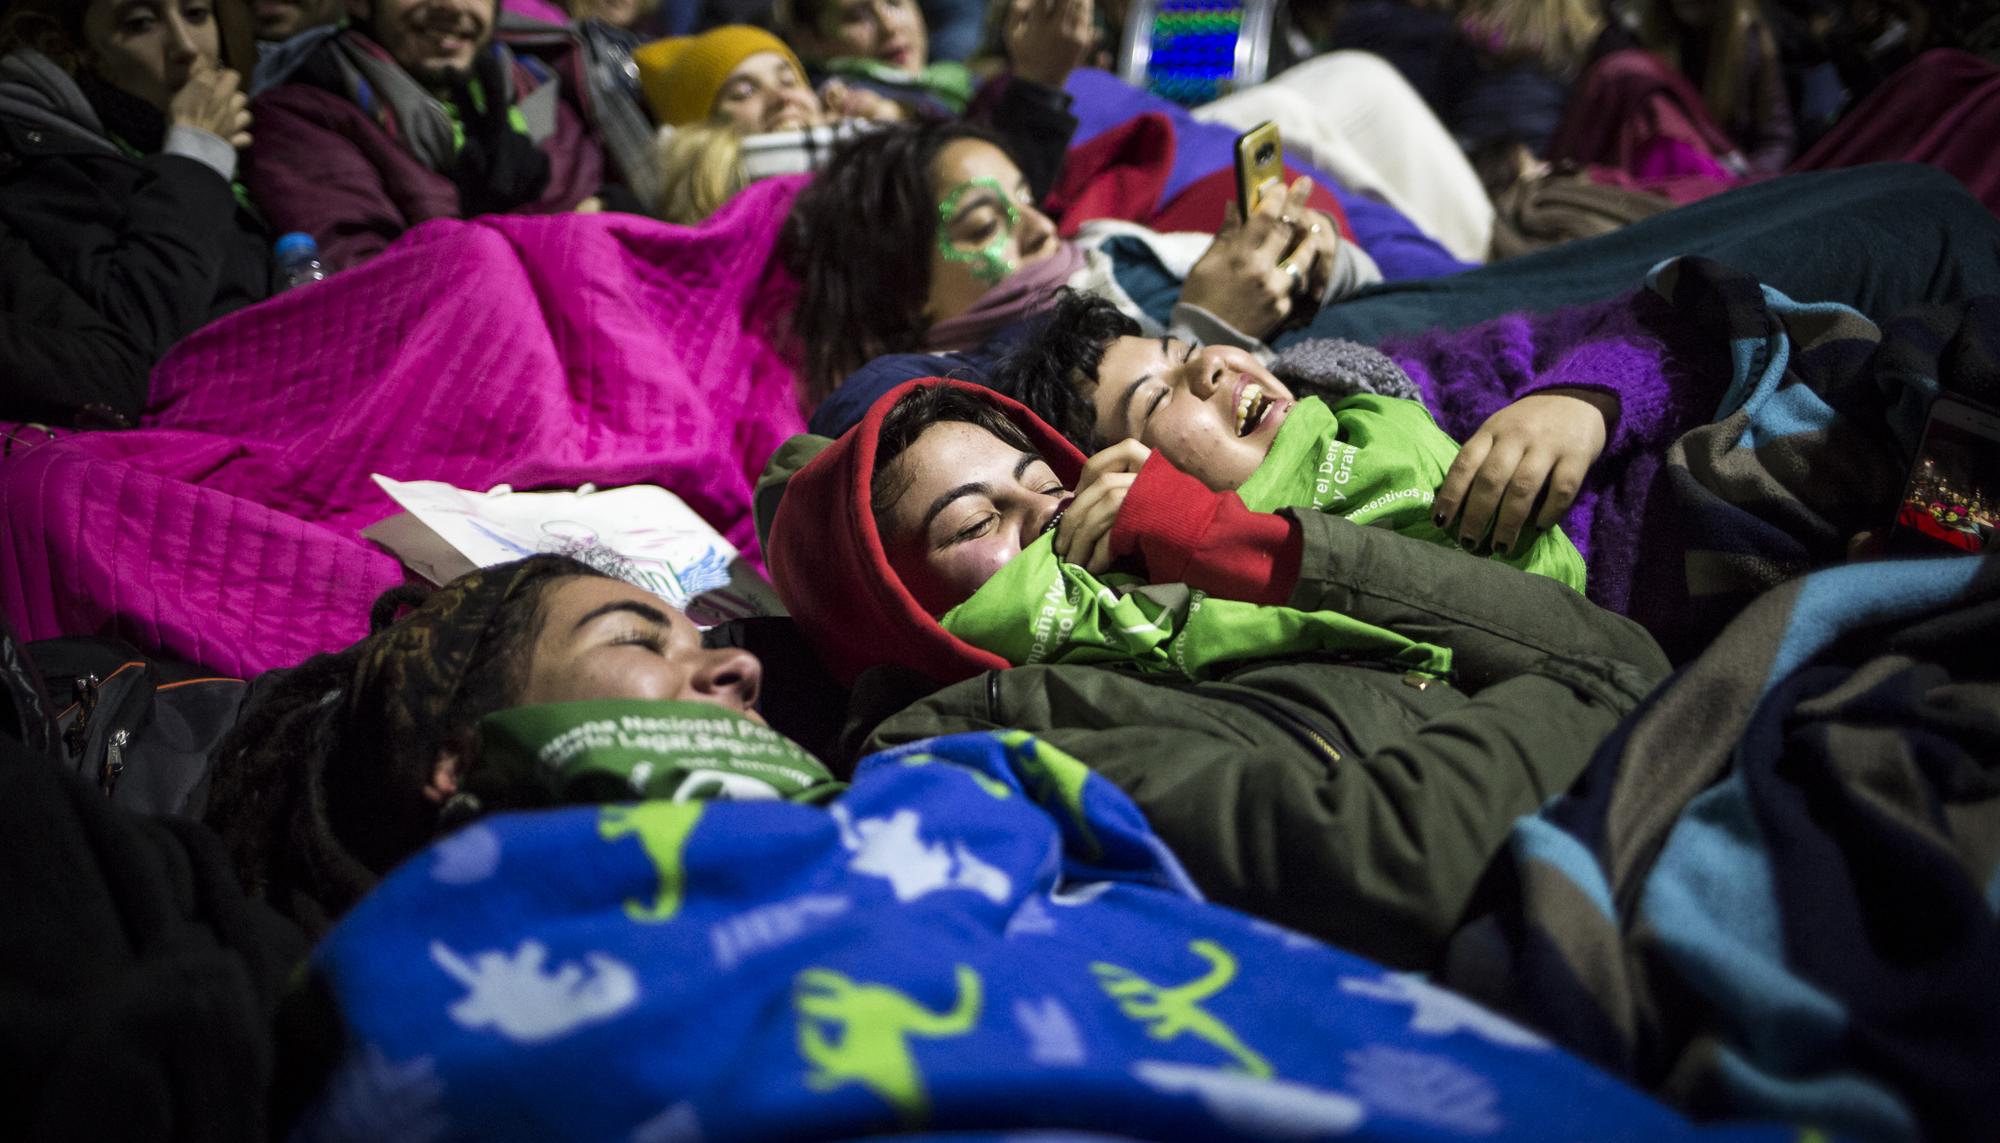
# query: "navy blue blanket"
1774,892
979,937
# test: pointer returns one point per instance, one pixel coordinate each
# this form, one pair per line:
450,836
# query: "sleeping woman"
975,521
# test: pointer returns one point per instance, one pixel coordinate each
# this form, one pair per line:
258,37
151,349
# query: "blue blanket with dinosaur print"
979,939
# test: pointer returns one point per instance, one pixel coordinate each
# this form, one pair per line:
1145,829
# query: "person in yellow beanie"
747,77
751,83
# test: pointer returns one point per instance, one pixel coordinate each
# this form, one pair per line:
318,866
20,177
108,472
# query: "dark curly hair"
1053,371
313,803
859,242
919,410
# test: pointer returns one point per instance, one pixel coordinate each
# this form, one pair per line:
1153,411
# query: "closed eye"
970,532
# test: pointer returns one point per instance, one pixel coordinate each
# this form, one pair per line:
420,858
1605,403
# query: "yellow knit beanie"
682,76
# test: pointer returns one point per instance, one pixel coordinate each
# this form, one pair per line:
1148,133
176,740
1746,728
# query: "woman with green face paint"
947,198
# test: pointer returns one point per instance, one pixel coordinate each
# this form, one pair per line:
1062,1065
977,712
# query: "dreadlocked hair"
312,807
859,241
1053,371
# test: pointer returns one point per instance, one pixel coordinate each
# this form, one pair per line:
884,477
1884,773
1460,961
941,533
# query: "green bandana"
1378,461
619,750
947,81
1039,609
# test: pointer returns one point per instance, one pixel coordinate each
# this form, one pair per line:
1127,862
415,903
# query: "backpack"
138,728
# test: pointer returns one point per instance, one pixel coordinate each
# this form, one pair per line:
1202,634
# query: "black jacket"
150,249
139,982
63,362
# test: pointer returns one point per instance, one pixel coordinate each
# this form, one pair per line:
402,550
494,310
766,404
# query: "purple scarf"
1027,291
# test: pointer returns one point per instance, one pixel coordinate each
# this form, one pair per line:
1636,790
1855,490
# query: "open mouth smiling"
1251,407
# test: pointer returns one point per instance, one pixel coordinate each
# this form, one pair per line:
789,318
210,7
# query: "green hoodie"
1374,460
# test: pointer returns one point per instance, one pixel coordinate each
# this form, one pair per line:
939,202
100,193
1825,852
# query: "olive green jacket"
1344,799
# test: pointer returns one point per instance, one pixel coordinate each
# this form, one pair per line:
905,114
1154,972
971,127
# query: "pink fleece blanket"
540,352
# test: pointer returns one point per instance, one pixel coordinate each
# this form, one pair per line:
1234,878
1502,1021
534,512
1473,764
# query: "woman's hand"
212,99
1048,39
1319,249
1244,278
1534,451
844,102
1083,535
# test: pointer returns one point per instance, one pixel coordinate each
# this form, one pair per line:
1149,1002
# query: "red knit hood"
828,563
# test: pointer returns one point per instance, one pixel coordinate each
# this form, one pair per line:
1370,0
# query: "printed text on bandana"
730,744
1054,621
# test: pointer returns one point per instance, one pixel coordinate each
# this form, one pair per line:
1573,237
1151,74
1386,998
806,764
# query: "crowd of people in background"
1500,126
1575,334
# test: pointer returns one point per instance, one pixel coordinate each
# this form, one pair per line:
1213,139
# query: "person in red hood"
1336,795
902,557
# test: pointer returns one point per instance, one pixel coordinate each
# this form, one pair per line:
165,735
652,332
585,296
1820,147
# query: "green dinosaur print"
859,1033
1168,1012
662,829
1053,779
993,786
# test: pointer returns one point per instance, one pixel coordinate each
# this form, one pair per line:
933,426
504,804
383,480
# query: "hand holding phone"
1951,501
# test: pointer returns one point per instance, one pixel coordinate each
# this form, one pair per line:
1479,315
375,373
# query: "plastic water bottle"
298,260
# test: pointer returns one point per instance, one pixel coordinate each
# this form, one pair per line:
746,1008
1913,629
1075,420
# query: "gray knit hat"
1331,368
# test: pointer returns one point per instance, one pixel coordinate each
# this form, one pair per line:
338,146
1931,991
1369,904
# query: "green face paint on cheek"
989,263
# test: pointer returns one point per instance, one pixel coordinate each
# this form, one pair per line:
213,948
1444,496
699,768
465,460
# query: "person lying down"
971,498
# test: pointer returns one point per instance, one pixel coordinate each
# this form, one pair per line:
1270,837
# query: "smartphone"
1951,502
1260,166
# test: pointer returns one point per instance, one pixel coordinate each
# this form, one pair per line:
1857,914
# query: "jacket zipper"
78,734
1293,723
114,759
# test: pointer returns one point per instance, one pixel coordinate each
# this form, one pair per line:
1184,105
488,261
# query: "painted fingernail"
1438,519
1467,542
1500,547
